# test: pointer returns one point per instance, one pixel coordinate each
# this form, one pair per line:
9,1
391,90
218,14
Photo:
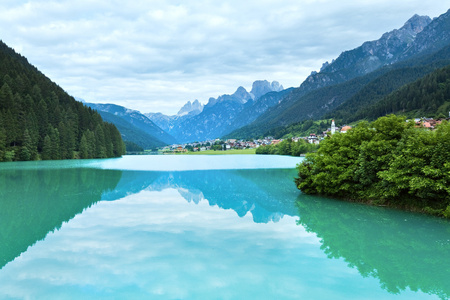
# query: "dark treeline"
429,96
39,120
387,162
133,147
303,128
288,147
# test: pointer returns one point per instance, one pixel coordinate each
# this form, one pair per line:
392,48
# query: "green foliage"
387,162
428,96
133,147
216,147
288,147
38,120
303,128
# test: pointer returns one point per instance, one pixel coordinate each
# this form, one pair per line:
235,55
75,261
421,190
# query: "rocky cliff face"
193,108
262,87
370,56
433,37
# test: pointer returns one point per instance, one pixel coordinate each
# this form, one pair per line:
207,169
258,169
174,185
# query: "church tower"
333,127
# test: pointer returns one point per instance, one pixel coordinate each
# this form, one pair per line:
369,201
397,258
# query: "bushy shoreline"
387,162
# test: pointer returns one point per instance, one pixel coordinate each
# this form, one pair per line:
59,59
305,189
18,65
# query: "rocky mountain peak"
276,86
262,87
241,93
416,23
211,101
195,108
407,33
433,36
371,55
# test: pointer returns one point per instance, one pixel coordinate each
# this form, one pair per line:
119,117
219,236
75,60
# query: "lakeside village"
229,144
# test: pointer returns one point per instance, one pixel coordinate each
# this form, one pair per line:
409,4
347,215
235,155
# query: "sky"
155,55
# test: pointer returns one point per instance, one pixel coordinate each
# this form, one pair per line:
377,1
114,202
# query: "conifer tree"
84,150
26,149
47,148
39,119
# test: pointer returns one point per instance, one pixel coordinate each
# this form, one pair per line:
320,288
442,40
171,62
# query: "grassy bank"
228,152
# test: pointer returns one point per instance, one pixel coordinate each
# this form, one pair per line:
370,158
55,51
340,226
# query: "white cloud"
156,55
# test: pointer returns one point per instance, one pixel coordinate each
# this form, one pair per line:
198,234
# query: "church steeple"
333,127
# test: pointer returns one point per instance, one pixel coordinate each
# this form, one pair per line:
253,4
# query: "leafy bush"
388,161
288,147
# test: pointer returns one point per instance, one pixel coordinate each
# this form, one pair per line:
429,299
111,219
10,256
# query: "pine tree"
26,149
47,148
2,142
37,118
84,150
55,149
100,141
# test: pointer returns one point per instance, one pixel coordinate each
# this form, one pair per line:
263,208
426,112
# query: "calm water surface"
205,227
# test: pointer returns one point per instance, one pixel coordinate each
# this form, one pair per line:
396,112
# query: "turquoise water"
205,227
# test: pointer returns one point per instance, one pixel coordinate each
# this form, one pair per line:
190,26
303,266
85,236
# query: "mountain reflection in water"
402,250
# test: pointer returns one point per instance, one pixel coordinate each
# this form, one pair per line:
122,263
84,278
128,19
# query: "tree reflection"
403,250
34,202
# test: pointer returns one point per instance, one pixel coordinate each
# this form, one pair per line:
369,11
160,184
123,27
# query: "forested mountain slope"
132,124
428,96
408,72
131,133
363,90
39,120
342,101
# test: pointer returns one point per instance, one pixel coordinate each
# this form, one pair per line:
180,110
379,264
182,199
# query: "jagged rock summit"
242,94
262,87
191,108
259,89
195,122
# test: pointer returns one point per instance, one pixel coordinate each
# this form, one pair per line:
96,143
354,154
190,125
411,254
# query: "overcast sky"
154,56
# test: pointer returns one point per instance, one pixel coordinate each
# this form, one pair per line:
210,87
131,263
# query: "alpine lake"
205,227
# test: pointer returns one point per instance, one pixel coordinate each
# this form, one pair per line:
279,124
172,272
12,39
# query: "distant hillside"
39,120
131,133
134,126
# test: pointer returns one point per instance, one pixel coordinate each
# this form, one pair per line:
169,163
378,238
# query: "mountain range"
378,68
220,116
357,78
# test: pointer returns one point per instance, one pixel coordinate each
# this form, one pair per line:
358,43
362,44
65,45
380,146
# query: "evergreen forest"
39,120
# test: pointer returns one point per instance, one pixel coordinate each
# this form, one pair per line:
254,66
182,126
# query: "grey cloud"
151,49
